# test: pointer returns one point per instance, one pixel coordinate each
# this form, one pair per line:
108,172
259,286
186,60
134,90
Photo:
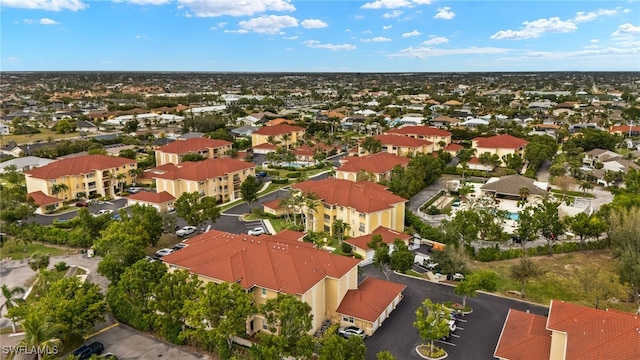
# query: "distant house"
305,153
453,149
378,165
569,332
246,130
4,129
434,135
401,145
625,130
574,128
12,150
591,157
44,203
499,144
509,187
209,148
443,121
25,163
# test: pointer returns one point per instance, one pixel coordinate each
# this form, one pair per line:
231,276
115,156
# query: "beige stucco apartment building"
284,134
173,152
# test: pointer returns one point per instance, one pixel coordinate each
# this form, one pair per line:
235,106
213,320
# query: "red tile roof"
453,147
624,129
363,196
78,165
280,129
181,147
306,150
265,261
204,170
273,204
419,130
503,141
388,236
151,197
524,337
278,121
42,199
378,163
370,300
594,334
266,146
398,140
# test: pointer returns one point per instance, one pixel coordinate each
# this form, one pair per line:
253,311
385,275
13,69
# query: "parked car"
86,351
104,211
110,356
82,204
350,331
179,246
458,276
257,231
163,252
261,174
186,230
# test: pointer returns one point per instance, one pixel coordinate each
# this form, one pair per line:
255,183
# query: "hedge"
293,175
426,231
494,253
280,180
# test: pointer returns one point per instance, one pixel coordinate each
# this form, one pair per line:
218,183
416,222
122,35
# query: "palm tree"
121,181
135,174
524,193
41,333
12,298
58,188
339,227
585,185
285,140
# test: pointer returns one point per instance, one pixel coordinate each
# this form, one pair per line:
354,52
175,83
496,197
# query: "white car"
257,231
163,252
104,211
186,230
350,331
458,276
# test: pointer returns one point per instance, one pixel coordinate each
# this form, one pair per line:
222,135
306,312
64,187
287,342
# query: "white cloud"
268,24
410,34
594,41
51,5
212,8
426,52
444,13
422,2
436,40
290,37
393,14
387,4
387,27
313,24
534,29
376,39
11,59
314,44
560,55
582,16
627,29
239,31
29,21
47,21
140,36
146,2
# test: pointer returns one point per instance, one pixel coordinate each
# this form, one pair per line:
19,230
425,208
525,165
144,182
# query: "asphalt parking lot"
475,338
128,344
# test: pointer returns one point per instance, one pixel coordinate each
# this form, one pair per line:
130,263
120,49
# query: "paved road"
114,205
475,339
427,193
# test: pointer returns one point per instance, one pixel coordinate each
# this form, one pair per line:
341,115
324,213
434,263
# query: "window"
361,228
327,218
326,206
265,324
201,192
327,229
348,319
362,215
263,292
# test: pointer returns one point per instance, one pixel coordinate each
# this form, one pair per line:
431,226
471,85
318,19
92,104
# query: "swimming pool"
514,216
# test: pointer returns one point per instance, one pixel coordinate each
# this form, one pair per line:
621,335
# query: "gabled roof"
268,262
280,129
370,300
453,147
306,150
419,130
388,236
42,199
266,146
503,141
594,334
181,147
151,197
399,140
278,121
78,165
363,196
524,337
624,129
378,163
203,170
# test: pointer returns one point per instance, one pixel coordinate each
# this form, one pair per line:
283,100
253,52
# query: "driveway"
476,337
129,344
114,205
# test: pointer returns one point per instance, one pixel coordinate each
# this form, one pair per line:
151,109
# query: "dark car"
82,204
85,351
261,174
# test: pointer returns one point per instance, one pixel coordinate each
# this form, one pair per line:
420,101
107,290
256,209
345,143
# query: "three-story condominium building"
82,176
375,167
283,134
401,145
173,152
499,144
362,205
219,178
269,265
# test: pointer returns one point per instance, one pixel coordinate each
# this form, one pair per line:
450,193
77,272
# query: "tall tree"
523,271
290,318
335,347
624,227
548,220
338,228
371,145
381,257
467,287
432,322
41,332
597,283
12,297
219,313
586,226
120,247
401,258
196,209
170,298
249,190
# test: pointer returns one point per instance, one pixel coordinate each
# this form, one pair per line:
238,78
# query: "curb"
101,331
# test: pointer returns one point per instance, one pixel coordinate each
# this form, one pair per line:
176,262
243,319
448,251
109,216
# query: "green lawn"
16,252
45,135
573,193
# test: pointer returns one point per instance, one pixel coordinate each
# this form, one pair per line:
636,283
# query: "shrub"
346,248
280,180
61,266
295,174
433,210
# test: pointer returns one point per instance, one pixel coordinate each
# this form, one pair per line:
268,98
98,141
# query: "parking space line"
459,328
454,335
445,342
462,320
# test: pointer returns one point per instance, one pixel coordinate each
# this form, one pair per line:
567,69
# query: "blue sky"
319,35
